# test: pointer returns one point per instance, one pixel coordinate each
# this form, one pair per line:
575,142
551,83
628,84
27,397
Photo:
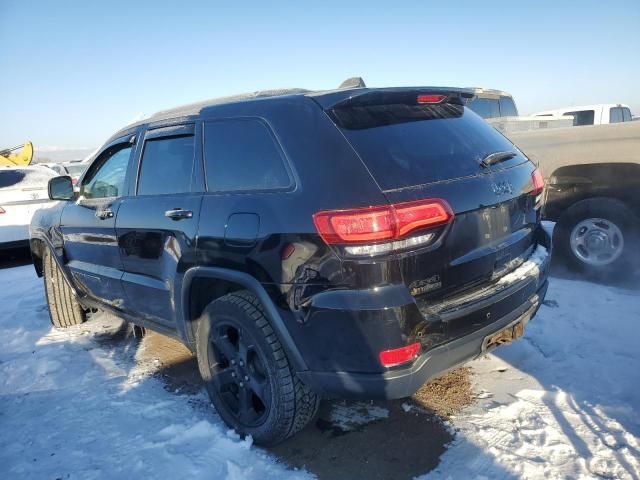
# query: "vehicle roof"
323,97
573,108
489,92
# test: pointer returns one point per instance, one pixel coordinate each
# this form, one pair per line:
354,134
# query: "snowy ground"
562,403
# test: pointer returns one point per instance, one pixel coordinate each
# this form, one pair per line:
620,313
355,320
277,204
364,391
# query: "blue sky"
74,72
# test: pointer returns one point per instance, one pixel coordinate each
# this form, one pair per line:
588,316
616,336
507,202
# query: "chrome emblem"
502,188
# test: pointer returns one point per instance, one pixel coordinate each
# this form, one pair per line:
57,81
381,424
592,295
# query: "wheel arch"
571,184
197,279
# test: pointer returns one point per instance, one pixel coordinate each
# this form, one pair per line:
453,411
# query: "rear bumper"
405,382
348,329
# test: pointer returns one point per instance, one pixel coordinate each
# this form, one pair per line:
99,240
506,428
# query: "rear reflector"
431,98
377,224
538,182
390,358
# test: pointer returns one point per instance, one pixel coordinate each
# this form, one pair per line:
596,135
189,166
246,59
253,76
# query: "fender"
63,269
251,284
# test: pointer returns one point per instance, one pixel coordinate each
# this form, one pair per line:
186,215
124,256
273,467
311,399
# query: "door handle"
104,214
178,214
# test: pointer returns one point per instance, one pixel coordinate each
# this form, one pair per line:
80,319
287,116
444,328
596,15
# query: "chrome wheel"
596,241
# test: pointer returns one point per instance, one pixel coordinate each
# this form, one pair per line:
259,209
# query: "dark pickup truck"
592,192
349,243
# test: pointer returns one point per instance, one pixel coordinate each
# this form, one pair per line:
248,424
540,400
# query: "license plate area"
504,336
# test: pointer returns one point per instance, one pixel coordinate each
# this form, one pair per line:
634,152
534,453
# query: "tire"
619,225
235,342
64,309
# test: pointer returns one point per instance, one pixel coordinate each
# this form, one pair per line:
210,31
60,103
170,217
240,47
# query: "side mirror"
61,188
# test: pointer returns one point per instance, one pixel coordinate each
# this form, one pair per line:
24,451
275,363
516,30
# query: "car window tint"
167,165
242,154
615,115
108,179
485,107
626,115
581,117
507,107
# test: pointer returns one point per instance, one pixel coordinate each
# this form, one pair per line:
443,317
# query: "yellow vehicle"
24,157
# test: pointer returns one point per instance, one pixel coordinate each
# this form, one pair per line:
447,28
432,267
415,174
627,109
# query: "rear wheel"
596,235
64,309
247,373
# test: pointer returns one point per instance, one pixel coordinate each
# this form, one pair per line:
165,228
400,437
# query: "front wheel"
597,235
64,309
247,374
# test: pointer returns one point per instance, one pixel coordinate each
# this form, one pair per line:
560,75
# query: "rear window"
405,145
22,178
615,115
626,115
485,107
582,117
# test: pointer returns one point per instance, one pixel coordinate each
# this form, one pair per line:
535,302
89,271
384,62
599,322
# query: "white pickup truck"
600,114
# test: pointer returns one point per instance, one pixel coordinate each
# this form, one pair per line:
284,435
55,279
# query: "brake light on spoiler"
381,229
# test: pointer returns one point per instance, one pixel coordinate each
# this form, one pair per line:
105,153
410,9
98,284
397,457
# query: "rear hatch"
425,144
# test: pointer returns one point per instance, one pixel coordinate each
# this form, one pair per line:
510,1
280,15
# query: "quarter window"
107,180
242,154
167,165
507,107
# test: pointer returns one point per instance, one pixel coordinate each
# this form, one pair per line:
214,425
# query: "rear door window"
507,107
581,117
243,154
485,107
405,145
615,115
167,165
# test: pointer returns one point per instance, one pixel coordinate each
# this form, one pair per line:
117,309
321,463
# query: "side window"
626,115
581,117
167,165
507,107
615,115
107,178
242,154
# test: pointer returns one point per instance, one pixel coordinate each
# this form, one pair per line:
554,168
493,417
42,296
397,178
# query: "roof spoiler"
386,96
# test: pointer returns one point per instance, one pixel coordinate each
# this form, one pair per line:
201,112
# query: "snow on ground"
561,403
71,408
564,402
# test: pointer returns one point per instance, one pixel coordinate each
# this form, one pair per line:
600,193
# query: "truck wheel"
64,309
597,235
247,374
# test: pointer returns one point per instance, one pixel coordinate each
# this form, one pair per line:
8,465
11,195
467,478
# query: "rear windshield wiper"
497,157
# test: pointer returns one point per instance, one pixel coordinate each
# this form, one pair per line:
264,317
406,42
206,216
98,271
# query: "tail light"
2,210
388,223
538,182
397,356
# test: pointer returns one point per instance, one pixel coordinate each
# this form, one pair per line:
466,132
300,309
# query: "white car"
23,190
600,114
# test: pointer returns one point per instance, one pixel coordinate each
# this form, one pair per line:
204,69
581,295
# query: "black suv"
348,243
